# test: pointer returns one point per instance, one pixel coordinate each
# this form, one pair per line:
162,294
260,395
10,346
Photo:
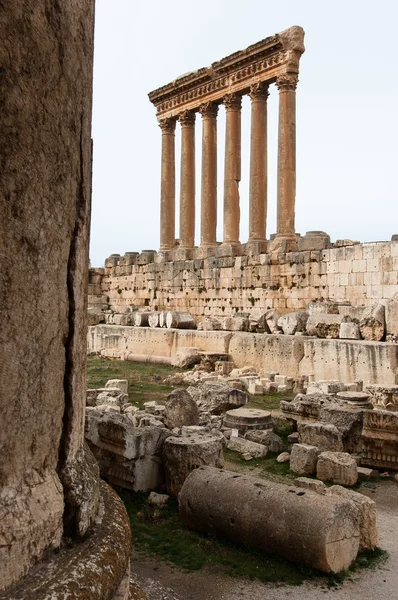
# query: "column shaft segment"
187,183
258,162
287,155
167,186
209,174
233,104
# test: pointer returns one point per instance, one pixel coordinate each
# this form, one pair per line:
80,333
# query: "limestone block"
255,388
181,409
319,530
317,307
293,322
311,484
326,386
337,467
392,316
110,398
244,446
322,435
235,323
303,459
349,331
217,397
184,454
186,358
325,325
314,240
121,384
211,324
267,438
366,516
272,318
372,325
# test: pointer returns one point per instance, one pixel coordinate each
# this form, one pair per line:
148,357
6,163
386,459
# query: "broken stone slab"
372,325
186,358
337,467
293,322
365,474
121,384
366,516
348,420
235,323
311,484
255,388
317,307
293,438
272,318
216,397
319,530
349,331
324,436
244,446
111,399
267,438
325,387
183,454
245,419
391,316
181,409
303,459
323,325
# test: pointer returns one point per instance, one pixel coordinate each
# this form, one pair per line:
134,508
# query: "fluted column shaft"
209,174
258,162
187,181
287,155
167,186
232,169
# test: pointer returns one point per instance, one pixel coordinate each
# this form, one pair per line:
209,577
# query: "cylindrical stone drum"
162,318
180,320
141,319
153,319
301,525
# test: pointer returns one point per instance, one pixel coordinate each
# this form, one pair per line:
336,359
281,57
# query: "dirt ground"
164,582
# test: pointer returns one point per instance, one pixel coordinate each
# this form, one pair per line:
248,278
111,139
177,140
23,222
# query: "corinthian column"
287,155
233,104
258,162
209,174
167,189
187,184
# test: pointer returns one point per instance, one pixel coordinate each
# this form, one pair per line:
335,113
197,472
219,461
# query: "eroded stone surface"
337,467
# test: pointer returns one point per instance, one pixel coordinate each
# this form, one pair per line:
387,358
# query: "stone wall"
357,274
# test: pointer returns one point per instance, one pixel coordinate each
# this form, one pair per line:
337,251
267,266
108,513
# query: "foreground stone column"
232,174
167,189
258,162
187,184
287,155
209,174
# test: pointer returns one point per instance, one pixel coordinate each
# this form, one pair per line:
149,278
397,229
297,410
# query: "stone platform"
246,419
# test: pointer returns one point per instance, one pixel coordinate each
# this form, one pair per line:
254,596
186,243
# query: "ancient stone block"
314,240
391,316
243,446
366,516
181,409
337,467
322,435
267,438
303,459
217,397
121,384
372,325
349,331
245,419
186,358
311,484
325,325
293,322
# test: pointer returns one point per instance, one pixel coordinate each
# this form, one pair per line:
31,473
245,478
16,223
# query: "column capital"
287,82
259,91
232,101
167,125
209,109
187,118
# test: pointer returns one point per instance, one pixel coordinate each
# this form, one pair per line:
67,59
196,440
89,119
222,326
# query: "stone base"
205,251
163,256
254,247
146,257
282,243
183,253
314,240
234,249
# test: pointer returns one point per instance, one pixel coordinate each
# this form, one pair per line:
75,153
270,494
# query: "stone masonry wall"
357,274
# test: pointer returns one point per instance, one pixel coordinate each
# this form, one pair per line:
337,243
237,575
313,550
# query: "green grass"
159,532
145,380
269,401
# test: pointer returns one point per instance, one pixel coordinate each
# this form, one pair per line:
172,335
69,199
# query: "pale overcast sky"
347,112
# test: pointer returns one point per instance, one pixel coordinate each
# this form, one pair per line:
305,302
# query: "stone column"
258,162
187,184
287,155
167,191
209,174
233,105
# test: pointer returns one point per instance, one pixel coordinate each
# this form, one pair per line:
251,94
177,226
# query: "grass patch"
269,401
145,380
159,532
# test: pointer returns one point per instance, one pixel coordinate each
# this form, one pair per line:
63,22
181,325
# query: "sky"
347,113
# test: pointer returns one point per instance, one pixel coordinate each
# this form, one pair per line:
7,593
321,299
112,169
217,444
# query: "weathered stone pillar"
233,105
287,155
167,190
209,174
187,184
258,162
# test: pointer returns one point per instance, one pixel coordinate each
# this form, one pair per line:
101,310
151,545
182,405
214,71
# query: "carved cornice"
287,82
232,101
209,110
259,91
265,61
167,125
187,118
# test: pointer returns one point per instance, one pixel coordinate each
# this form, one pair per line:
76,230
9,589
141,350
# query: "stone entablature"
247,72
359,274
